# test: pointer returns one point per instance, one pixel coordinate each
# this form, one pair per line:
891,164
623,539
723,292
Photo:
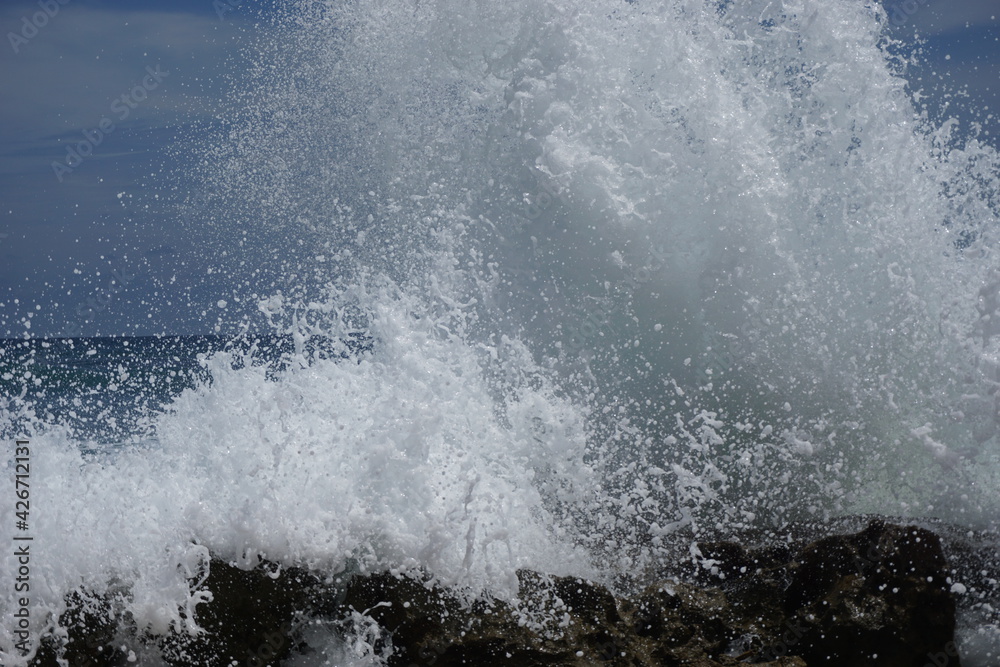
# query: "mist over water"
632,274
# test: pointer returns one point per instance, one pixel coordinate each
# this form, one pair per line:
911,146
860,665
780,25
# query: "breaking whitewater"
569,287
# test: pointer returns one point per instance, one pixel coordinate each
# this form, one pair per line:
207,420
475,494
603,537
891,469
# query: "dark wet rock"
430,625
96,621
879,595
251,619
676,624
252,616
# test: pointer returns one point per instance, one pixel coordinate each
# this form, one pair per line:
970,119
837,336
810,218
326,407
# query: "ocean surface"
568,286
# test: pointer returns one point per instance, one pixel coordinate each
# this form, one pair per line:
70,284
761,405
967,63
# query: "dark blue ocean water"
105,390
102,388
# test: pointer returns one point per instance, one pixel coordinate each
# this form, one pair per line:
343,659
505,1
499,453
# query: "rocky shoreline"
883,595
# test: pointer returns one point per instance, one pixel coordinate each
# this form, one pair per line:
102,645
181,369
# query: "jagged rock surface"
878,596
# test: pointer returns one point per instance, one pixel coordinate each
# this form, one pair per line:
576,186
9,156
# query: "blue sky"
95,248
